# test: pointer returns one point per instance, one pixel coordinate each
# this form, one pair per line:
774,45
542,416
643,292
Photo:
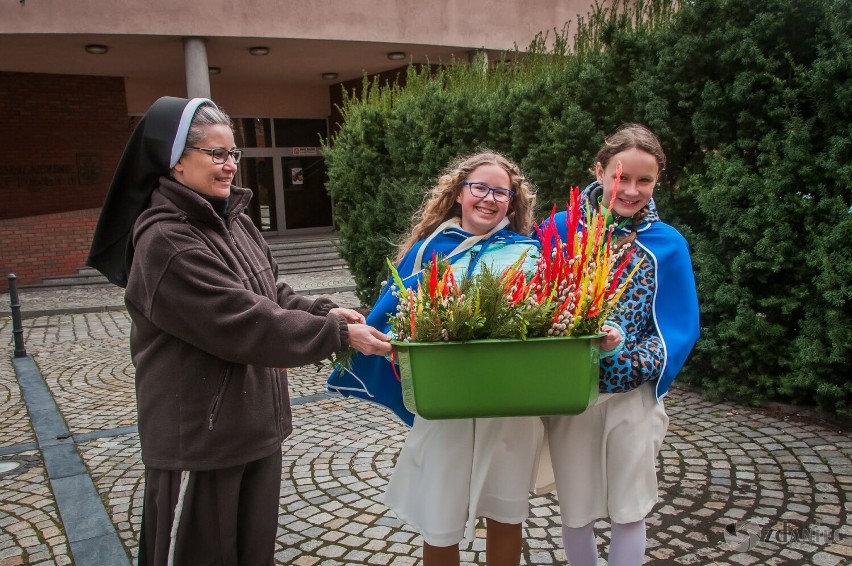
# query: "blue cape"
372,377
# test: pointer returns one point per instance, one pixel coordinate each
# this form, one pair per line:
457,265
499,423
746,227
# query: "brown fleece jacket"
210,330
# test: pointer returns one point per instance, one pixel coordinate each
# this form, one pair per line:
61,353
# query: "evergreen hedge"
754,114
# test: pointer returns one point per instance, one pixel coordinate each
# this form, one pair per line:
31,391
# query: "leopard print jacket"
641,357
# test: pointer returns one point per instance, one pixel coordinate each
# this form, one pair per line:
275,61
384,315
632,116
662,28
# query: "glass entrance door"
257,174
306,203
283,166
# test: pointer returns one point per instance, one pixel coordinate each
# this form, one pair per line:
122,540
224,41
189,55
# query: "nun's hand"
349,315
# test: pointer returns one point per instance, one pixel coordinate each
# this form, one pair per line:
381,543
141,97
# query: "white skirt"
604,459
449,472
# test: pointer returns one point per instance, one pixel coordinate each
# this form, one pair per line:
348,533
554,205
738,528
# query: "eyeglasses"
481,190
220,154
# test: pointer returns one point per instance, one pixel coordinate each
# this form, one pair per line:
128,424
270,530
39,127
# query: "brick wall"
36,247
62,138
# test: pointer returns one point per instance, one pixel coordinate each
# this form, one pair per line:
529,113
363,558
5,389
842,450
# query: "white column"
197,75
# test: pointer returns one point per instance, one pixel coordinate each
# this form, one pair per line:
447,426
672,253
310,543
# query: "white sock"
627,547
580,545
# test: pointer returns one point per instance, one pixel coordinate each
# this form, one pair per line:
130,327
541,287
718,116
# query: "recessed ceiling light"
214,70
329,76
96,49
259,50
396,55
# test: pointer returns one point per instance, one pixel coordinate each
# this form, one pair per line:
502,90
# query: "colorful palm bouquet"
573,289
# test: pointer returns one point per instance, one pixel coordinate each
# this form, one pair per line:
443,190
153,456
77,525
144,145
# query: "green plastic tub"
499,378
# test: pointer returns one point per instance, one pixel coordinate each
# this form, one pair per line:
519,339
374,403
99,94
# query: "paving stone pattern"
721,464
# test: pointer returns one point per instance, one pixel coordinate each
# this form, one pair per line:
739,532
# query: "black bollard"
17,327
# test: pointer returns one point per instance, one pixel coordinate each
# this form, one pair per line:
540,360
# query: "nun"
211,326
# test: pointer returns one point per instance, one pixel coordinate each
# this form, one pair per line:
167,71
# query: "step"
87,271
307,246
282,244
314,257
69,281
332,268
80,279
299,252
293,255
304,266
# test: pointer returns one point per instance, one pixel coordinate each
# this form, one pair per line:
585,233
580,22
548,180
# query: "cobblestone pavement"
782,486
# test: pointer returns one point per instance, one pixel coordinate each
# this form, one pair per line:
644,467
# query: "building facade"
76,75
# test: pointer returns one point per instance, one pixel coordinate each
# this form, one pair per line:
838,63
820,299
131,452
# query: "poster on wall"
296,175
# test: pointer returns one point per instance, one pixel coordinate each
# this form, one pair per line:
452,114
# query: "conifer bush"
755,115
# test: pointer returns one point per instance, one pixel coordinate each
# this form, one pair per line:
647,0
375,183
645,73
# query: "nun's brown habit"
154,148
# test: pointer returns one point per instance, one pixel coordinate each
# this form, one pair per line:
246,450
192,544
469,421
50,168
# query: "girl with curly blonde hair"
441,202
450,472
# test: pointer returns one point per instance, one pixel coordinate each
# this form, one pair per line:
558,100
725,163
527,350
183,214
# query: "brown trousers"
226,517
